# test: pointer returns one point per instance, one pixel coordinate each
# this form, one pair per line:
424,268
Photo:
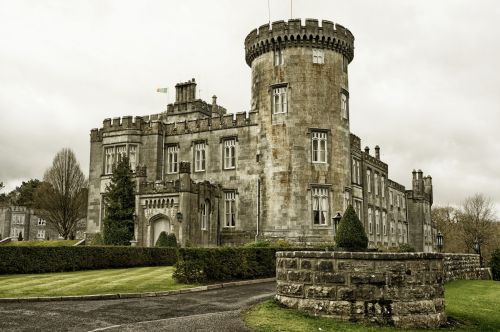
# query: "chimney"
377,152
367,150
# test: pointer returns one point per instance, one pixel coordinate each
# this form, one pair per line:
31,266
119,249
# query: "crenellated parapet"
174,187
238,120
96,135
395,185
281,34
125,122
355,142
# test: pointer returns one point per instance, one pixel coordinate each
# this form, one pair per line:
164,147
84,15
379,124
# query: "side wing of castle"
280,171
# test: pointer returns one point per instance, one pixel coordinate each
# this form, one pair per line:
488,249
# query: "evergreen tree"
120,204
20,237
171,240
162,240
351,233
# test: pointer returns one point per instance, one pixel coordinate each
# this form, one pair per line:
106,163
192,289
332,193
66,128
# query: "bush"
97,240
171,240
350,232
495,264
20,237
268,244
201,265
405,248
15,260
162,240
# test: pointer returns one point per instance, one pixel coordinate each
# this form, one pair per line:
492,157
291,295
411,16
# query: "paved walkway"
214,310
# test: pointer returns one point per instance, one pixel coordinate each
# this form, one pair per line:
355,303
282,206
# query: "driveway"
214,310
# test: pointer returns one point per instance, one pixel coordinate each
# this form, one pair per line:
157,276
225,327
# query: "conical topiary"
350,232
171,240
162,240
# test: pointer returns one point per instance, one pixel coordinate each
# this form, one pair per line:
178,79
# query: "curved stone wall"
400,289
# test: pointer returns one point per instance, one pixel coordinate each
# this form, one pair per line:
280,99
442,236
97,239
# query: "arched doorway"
157,224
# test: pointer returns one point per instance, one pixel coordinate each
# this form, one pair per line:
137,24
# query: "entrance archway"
157,224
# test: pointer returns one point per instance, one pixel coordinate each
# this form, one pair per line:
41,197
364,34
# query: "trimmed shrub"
15,260
20,237
201,265
162,240
171,240
97,240
495,264
351,233
405,248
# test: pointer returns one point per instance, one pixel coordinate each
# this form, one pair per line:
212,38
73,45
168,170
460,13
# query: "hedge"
15,260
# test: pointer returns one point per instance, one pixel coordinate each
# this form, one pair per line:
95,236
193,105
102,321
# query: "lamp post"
477,248
336,221
440,241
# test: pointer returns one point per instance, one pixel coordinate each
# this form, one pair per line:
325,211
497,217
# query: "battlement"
355,142
125,122
281,34
171,187
238,120
395,185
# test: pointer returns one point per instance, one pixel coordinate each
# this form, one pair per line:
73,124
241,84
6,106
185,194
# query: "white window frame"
375,180
369,180
230,209
280,100
320,206
278,57
370,221
377,221
318,56
172,156
384,222
205,212
114,153
229,153
200,156
319,147
382,186
358,207
40,234
344,106
41,222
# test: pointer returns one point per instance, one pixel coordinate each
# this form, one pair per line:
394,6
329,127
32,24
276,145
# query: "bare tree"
62,197
446,221
476,219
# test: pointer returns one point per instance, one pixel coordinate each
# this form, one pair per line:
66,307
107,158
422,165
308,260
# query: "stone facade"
15,220
401,289
283,169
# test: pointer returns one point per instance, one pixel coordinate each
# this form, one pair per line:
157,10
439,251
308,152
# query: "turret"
428,187
185,92
304,120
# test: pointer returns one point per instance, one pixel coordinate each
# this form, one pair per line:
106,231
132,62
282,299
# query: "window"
403,199
356,171
358,208
113,154
318,147
320,205
345,62
391,198
40,234
370,217
278,57
205,212
280,100
41,222
318,56
199,157
384,221
230,153
16,231
132,156
382,185
230,208
369,181
172,159
377,222
376,184
347,199
343,106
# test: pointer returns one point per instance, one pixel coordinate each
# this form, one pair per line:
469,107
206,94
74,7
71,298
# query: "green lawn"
111,281
48,243
475,305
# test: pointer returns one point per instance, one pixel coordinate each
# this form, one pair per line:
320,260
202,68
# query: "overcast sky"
424,82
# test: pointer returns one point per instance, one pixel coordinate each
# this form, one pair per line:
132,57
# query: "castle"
280,171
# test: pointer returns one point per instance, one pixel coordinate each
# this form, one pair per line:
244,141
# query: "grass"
110,281
45,243
474,305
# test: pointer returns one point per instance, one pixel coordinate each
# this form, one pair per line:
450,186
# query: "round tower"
300,91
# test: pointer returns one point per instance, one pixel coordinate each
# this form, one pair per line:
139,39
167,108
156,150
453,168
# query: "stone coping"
359,255
135,295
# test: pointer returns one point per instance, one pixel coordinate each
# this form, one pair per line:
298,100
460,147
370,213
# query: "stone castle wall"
400,289
463,266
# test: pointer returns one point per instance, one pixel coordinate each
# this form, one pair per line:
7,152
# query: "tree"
162,240
24,195
446,219
20,237
120,206
476,218
351,233
62,198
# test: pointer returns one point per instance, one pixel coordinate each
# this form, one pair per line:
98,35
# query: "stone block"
306,264
290,263
299,276
345,294
338,308
325,266
321,292
290,289
333,278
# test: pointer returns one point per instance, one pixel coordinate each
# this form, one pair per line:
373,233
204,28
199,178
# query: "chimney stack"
377,152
